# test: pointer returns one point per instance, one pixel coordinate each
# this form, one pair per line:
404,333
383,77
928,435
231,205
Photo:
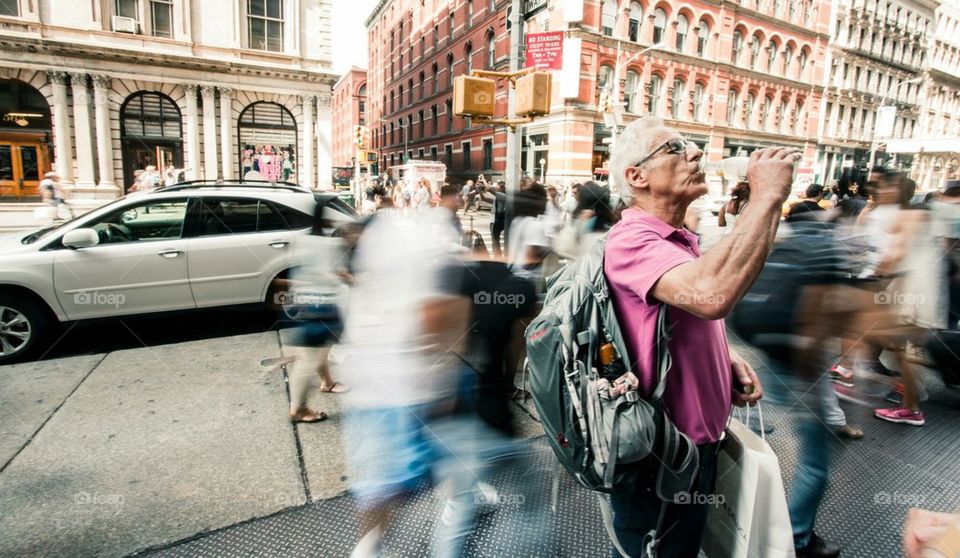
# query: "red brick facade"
348,108
416,48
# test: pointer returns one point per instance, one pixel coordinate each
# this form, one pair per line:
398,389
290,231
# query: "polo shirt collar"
662,228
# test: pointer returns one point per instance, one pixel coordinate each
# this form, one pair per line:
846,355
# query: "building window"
659,25
737,47
161,18
487,154
436,36
452,25
469,13
608,18
683,25
468,57
125,8
732,97
653,101
433,153
410,91
750,107
400,97
491,51
436,79
265,25
448,155
423,124
423,89
703,35
636,19
677,101
449,116
698,91
150,130
802,64
466,156
433,118
771,56
783,116
787,60
754,52
632,84
765,113
268,141
450,70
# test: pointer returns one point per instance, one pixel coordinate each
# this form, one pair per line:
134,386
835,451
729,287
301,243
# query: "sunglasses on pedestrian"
675,146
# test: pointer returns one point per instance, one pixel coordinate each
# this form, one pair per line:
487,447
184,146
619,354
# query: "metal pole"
512,168
615,93
873,139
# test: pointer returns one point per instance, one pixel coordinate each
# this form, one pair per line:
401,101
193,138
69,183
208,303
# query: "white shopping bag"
45,213
751,517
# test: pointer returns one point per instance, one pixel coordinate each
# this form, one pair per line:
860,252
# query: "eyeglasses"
675,146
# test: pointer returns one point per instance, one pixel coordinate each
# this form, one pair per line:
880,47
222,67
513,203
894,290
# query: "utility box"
473,96
533,94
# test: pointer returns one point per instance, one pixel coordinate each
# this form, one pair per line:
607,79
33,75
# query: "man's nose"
693,152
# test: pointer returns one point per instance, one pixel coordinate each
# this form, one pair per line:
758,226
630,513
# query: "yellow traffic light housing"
473,96
533,94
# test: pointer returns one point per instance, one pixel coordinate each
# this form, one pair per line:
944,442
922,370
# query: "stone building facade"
219,88
877,55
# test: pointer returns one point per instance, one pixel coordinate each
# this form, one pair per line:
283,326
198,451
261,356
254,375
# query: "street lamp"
543,169
873,139
615,90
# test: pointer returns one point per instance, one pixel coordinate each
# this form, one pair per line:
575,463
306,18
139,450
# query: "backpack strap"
664,360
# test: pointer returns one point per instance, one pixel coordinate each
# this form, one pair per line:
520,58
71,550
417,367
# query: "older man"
652,260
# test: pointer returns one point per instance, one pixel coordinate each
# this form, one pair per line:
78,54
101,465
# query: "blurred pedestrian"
499,216
591,219
528,244
51,192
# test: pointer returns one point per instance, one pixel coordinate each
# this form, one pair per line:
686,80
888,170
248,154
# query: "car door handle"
169,253
279,244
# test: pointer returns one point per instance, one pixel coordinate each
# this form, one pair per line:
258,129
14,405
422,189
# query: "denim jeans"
636,513
810,414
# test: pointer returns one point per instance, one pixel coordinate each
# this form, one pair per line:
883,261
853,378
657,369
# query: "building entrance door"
22,166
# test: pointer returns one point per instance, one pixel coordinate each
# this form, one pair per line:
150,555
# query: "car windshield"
40,233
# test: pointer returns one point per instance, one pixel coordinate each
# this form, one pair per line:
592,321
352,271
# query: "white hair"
633,144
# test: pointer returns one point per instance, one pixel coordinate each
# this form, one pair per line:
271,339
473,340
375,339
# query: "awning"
923,146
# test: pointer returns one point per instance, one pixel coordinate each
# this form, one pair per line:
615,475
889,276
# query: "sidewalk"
185,450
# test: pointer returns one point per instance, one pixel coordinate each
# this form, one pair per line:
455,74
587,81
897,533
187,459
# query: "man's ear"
636,177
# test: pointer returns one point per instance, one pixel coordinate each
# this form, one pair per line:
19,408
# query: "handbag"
751,516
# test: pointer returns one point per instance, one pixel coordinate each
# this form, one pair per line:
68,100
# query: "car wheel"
279,301
25,326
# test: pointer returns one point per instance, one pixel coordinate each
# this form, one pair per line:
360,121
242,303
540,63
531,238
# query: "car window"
157,220
227,216
296,220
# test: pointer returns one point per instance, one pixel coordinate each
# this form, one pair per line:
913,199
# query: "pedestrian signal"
473,96
533,94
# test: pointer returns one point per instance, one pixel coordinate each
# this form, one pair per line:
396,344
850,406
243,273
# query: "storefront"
150,134
25,140
268,142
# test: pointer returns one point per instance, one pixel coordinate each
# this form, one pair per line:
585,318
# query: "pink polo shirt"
697,397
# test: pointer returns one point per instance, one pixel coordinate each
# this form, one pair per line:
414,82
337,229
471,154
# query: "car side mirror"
81,238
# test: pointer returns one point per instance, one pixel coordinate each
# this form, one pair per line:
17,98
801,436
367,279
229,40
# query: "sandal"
336,387
309,417
849,432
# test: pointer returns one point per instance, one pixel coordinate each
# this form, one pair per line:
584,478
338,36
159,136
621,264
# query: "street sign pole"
512,169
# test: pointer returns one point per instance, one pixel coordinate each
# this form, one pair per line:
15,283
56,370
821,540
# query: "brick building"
349,110
731,77
416,48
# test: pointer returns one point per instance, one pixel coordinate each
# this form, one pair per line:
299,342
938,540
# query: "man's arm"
710,286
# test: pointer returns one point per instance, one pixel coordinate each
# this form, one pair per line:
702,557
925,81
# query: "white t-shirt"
525,232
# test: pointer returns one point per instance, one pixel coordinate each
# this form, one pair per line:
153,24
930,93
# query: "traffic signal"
358,135
533,94
473,96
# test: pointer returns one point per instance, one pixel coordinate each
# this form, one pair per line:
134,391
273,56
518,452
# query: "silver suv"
189,246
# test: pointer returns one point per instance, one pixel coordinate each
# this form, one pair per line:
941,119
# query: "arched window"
433,118
676,103
698,95
783,116
636,20
469,13
798,126
659,25
703,36
777,4
423,88
765,122
491,51
787,60
771,56
751,107
683,26
468,57
754,52
150,115
451,26
737,47
606,81
653,100
436,79
150,125
400,96
449,70
802,65
392,102
268,141
608,17
732,98
410,91
632,84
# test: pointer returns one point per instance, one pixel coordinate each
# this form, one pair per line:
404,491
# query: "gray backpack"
595,437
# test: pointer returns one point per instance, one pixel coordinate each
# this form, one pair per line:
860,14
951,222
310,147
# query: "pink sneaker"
900,415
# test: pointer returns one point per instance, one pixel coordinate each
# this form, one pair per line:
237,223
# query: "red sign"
545,50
